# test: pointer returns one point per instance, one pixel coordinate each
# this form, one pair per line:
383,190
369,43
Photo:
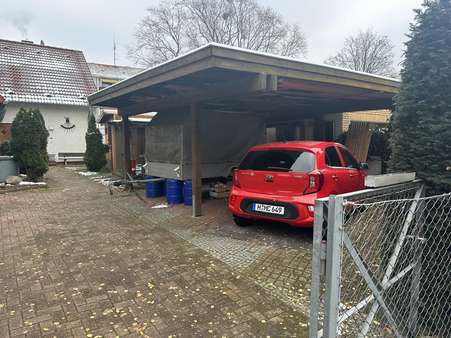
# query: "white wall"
60,140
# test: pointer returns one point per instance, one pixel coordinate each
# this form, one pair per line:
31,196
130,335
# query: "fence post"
418,242
316,268
333,265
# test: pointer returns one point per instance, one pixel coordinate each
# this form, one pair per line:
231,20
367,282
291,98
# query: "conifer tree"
421,136
29,143
95,149
421,142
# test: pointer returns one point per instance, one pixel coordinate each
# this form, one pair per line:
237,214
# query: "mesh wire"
403,191
404,244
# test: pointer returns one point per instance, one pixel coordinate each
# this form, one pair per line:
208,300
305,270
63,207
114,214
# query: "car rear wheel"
242,222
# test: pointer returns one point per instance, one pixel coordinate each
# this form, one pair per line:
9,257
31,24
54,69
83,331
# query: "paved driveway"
77,262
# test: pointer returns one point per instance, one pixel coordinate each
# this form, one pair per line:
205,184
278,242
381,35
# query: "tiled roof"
112,71
41,74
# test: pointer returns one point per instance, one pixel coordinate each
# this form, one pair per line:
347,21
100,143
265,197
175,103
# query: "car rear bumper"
297,211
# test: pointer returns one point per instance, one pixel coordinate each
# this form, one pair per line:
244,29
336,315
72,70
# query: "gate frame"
329,253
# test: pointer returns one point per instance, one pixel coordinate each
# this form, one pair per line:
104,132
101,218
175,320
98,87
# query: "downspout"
2,108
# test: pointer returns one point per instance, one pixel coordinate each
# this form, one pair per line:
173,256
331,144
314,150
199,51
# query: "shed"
222,79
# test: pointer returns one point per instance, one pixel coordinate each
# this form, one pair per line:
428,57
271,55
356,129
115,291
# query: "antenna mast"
114,50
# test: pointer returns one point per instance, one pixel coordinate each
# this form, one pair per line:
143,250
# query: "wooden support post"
126,143
109,139
196,161
271,83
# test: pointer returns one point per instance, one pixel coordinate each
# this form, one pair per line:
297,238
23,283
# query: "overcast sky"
90,25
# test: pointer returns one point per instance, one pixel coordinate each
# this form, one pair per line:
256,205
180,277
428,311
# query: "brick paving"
77,262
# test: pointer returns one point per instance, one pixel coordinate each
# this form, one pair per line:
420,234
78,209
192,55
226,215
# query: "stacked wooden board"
358,139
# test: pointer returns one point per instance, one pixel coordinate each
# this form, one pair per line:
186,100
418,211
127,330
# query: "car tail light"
315,182
232,199
236,181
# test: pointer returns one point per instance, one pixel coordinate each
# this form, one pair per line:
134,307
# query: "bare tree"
175,26
367,52
160,36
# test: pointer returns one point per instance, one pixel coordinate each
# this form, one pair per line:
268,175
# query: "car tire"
241,221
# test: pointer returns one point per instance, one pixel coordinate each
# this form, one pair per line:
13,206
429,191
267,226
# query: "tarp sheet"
224,140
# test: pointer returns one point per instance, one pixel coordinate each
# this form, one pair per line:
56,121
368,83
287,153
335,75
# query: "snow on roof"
112,71
111,88
36,73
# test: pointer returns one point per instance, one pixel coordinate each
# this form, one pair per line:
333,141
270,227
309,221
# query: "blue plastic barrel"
188,192
174,191
164,187
154,189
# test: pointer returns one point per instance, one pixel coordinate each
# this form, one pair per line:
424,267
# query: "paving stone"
75,261
4,330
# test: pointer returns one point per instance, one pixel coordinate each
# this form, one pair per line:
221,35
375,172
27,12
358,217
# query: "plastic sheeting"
224,140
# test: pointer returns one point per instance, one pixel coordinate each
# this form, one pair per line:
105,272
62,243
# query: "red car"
280,181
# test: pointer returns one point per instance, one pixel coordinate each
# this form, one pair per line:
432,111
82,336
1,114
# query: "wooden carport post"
195,161
126,142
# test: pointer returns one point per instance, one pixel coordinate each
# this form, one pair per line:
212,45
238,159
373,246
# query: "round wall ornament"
67,125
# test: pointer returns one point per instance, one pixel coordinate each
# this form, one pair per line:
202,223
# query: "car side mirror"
364,166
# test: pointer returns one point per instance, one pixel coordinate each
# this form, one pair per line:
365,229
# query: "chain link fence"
387,264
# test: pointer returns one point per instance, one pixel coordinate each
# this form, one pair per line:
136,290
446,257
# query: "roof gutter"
2,108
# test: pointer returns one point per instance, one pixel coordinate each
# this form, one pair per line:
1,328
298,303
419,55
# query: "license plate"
269,209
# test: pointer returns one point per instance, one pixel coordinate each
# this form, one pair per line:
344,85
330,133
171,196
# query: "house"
55,80
105,75
109,121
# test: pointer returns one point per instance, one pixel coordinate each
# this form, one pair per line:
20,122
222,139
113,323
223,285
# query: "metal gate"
378,247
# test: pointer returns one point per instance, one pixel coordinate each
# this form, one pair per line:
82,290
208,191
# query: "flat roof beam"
250,85
302,74
134,84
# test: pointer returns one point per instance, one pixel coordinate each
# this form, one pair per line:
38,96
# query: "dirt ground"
78,262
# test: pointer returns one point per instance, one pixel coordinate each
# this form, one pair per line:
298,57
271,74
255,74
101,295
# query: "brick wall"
372,116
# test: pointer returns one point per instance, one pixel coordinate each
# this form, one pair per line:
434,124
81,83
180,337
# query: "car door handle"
335,177
351,175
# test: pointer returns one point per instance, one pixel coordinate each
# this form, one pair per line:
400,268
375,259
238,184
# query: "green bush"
379,146
29,143
95,149
5,149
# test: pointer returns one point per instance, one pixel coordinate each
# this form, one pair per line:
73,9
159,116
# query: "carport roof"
225,78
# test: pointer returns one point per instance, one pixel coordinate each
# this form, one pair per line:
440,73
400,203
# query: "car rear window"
279,160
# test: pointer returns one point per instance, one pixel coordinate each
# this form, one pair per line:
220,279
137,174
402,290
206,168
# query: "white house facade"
66,125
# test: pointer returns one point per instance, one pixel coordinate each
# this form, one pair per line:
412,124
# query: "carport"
227,79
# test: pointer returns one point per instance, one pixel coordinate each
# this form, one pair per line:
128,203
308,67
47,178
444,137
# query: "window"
106,83
279,160
332,158
349,159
